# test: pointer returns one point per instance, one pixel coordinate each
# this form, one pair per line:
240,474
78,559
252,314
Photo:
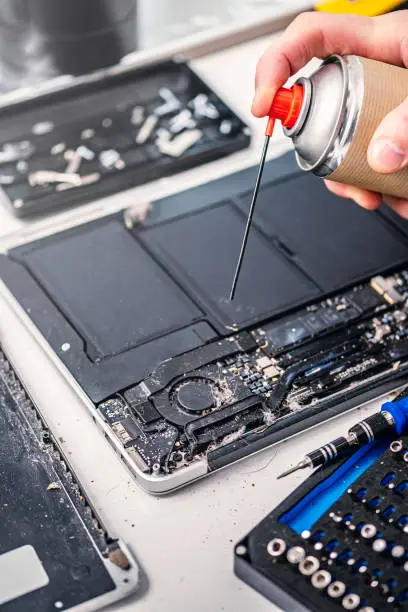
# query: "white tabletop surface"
184,541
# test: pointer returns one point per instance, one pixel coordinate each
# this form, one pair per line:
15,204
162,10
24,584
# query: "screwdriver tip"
299,466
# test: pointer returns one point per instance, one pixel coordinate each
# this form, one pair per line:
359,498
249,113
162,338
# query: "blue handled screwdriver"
392,419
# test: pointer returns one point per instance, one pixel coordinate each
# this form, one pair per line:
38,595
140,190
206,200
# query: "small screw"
396,446
276,547
86,134
309,566
321,579
58,148
336,589
398,551
65,347
241,550
379,545
21,166
368,531
42,127
351,601
296,554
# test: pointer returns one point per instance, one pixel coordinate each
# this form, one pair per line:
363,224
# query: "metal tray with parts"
97,138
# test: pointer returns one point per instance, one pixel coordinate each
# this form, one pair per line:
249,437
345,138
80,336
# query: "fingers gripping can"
344,101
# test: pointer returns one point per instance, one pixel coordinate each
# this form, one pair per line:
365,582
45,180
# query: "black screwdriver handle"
329,452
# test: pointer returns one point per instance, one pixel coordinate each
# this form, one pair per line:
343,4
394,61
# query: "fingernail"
259,93
263,96
385,154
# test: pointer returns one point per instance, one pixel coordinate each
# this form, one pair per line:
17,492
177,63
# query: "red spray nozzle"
286,107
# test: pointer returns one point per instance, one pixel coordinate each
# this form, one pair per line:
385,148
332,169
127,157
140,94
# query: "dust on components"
232,393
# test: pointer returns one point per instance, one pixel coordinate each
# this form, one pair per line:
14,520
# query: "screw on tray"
182,121
14,151
137,115
203,107
173,128
74,160
87,133
147,129
44,177
111,159
58,148
179,145
86,179
171,103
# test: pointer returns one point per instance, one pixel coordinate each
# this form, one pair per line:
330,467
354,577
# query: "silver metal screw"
351,601
336,589
309,566
276,547
368,531
296,554
321,579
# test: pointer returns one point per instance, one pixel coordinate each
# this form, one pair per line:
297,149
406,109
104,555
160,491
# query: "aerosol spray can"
332,115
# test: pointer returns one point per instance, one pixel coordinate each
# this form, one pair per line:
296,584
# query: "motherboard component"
207,406
387,288
214,402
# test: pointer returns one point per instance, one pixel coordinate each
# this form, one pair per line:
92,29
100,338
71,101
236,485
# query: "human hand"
317,34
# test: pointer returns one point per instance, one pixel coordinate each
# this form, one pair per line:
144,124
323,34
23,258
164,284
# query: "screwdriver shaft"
391,419
250,215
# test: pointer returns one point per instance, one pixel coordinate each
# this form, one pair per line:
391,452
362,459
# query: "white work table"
183,541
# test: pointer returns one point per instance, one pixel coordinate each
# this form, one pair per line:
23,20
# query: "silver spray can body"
333,97
344,101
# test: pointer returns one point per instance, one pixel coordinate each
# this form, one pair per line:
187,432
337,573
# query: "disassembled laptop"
183,381
133,310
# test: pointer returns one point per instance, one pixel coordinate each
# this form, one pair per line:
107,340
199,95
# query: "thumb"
388,149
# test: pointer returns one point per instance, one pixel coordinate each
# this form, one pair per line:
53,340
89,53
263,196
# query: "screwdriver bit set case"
99,136
340,540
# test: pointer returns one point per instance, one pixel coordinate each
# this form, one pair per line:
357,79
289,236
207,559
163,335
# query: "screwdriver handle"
368,431
329,452
372,428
